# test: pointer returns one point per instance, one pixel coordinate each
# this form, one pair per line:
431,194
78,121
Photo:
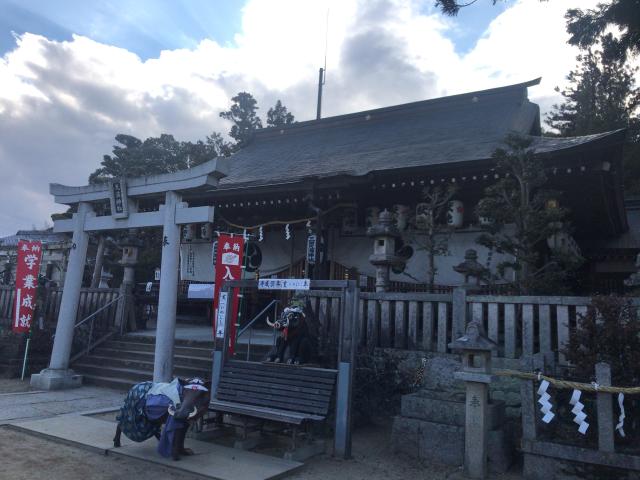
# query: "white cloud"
61,103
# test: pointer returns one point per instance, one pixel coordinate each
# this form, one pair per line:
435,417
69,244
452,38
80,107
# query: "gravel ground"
27,457
41,459
13,386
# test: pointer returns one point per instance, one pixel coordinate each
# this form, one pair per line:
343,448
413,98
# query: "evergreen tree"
601,95
244,117
278,115
520,219
155,155
587,27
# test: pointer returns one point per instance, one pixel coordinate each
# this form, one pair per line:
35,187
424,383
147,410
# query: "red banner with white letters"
29,256
228,267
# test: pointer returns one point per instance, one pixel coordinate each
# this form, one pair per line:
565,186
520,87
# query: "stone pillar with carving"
476,351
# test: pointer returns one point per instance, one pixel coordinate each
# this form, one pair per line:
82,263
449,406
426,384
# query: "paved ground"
25,456
19,402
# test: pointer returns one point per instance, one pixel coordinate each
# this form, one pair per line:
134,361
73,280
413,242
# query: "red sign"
29,256
228,267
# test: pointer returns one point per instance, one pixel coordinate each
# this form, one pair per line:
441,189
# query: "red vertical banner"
228,267
29,256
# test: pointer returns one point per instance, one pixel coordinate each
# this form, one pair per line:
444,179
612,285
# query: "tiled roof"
446,130
45,236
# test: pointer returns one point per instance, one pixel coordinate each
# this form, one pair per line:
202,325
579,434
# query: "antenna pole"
320,83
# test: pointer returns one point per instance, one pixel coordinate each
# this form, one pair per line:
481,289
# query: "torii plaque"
170,216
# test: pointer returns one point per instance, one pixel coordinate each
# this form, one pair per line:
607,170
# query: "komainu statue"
294,345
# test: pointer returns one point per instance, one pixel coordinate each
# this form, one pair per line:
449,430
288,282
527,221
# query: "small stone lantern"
476,350
471,268
384,234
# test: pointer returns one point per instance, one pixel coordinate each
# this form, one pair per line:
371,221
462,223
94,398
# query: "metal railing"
249,326
92,317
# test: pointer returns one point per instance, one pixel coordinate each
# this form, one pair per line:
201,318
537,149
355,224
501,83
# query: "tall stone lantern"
130,245
384,234
476,351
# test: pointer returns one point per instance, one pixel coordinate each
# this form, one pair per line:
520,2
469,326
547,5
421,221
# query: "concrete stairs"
124,361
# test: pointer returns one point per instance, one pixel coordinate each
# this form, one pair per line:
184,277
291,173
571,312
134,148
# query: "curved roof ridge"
400,108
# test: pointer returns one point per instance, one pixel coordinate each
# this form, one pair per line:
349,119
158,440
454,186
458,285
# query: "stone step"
204,351
148,356
135,374
151,340
111,382
433,407
144,364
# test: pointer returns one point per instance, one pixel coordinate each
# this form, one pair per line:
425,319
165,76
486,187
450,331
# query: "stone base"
444,444
539,467
54,379
431,428
446,407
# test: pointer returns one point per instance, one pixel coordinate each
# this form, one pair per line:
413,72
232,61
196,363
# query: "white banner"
284,284
222,315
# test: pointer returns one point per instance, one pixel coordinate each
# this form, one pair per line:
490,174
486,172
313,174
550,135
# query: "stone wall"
402,367
12,352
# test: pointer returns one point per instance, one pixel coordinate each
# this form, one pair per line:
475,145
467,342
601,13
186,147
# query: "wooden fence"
91,300
520,325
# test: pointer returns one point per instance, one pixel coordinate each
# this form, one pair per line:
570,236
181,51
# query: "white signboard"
222,315
200,291
284,284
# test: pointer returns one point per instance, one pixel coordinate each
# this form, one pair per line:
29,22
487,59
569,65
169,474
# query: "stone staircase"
126,360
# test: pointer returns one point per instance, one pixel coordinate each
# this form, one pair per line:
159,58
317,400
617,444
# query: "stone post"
476,350
168,296
459,313
605,409
58,375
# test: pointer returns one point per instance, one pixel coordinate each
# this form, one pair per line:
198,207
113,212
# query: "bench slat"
267,401
294,392
265,392
278,381
301,380
283,368
263,412
284,372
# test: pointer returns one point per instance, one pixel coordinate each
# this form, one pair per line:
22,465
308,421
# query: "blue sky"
142,26
74,74
146,27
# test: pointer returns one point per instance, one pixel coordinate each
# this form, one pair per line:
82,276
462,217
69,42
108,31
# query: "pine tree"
602,96
278,115
244,117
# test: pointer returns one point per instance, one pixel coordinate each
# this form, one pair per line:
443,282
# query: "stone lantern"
105,278
130,245
385,235
476,350
471,268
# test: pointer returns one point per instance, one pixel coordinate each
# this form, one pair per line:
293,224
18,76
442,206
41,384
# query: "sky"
73,74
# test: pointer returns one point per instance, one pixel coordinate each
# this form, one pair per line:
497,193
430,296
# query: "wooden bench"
295,395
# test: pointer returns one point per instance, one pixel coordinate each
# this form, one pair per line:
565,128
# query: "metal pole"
26,351
320,83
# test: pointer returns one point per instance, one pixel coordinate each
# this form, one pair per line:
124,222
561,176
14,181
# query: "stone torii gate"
123,196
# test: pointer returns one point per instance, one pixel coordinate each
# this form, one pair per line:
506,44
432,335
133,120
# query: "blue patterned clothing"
132,417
